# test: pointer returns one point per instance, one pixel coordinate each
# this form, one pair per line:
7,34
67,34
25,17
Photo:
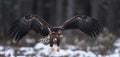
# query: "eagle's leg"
51,43
58,43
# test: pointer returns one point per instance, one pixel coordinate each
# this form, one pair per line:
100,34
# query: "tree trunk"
94,9
52,13
1,27
39,9
70,13
59,11
70,8
112,15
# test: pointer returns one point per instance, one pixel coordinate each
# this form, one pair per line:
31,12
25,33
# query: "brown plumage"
20,28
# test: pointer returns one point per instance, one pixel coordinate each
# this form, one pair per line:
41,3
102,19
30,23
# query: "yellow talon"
58,49
52,49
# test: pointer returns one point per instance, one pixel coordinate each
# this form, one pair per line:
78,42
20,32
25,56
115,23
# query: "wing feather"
86,24
21,27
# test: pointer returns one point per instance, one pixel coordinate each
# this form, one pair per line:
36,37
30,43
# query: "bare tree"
1,28
70,12
113,9
94,8
70,8
59,11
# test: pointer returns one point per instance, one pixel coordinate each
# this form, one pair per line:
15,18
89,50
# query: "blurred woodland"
55,12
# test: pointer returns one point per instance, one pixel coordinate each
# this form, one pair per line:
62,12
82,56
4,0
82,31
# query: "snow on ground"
117,43
41,50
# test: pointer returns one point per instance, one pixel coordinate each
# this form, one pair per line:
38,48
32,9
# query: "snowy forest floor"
106,45
41,50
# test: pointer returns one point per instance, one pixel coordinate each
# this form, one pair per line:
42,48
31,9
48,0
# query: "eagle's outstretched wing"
20,27
86,24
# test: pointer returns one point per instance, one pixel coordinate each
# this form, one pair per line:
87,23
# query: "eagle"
21,27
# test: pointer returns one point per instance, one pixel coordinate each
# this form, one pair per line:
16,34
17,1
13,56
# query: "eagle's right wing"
86,24
20,27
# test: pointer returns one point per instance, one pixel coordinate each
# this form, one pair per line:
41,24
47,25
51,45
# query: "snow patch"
42,50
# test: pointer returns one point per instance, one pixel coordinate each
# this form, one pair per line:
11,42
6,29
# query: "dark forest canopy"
107,11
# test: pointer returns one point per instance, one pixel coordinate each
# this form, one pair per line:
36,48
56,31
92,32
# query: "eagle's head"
56,32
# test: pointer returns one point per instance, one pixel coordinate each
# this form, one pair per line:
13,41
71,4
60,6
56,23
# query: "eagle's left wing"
21,27
86,24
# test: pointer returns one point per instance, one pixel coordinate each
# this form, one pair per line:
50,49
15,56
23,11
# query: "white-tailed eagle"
86,24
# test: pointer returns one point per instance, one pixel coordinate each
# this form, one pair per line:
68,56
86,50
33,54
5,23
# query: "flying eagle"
86,24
